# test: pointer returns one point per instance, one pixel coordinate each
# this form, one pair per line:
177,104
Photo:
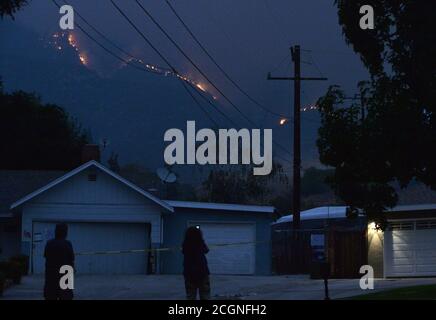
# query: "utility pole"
296,194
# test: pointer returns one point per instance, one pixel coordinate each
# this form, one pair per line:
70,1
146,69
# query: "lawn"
425,292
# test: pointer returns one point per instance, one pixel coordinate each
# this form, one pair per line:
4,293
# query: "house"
407,248
118,228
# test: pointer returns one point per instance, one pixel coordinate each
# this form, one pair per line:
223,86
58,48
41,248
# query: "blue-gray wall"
176,223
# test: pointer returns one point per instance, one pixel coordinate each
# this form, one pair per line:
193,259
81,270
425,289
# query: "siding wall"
104,200
176,224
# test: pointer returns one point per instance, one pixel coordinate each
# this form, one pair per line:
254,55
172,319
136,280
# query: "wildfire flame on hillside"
60,39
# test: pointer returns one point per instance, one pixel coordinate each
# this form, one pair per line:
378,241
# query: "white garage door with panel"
98,237
410,248
237,258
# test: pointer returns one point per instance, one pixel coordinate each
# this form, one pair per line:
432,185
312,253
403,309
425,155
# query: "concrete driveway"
171,287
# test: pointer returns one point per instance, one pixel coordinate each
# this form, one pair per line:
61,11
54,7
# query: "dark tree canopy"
241,186
10,7
395,141
36,136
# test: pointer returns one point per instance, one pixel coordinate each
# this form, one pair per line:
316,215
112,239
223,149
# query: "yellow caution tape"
163,249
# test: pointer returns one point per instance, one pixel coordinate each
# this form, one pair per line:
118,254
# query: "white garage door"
238,258
410,249
98,237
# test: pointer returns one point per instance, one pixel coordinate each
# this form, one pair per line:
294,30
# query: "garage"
410,248
232,247
98,237
106,212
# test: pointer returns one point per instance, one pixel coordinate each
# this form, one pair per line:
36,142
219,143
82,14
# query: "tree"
10,7
113,163
395,140
241,186
36,136
314,181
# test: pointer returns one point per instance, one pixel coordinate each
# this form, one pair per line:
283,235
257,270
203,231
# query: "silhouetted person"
58,252
195,267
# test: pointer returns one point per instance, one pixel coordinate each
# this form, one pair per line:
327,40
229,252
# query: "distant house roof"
72,173
220,206
16,184
336,212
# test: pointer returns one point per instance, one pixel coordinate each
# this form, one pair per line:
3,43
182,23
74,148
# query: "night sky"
248,38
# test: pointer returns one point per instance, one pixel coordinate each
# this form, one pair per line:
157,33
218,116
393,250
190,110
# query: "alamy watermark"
367,20
66,282
67,20
367,280
220,147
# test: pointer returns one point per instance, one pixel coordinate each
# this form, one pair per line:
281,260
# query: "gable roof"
82,168
220,206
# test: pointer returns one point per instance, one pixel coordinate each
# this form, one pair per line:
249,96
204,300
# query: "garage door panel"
99,237
410,249
402,239
402,269
236,258
426,269
426,260
426,254
402,254
403,261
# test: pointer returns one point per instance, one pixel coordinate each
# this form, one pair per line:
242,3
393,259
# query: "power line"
146,70
112,43
113,54
147,13
315,64
237,86
185,55
153,47
128,62
199,104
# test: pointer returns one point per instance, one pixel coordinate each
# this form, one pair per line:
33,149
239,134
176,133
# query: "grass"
424,292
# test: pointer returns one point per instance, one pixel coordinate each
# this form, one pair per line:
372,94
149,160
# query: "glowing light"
199,86
373,227
309,108
83,59
283,121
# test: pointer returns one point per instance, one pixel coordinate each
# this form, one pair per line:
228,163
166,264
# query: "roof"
220,206
336,212
16,184
83,167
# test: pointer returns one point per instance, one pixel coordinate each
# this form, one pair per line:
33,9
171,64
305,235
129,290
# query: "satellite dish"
166,175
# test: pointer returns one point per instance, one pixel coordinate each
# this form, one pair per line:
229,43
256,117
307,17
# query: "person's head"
61,231
193,236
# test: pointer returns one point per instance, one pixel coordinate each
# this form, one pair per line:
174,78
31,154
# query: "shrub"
4,268
23,260
12,270
2,283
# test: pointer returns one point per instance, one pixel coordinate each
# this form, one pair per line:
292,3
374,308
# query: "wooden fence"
346,251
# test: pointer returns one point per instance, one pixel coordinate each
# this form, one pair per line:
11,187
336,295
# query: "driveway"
171,287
